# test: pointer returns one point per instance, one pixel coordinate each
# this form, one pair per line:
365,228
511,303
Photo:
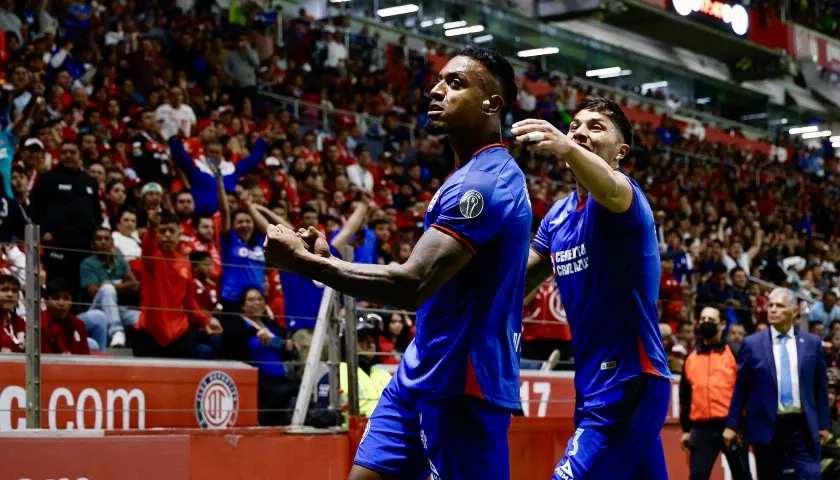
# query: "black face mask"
708,330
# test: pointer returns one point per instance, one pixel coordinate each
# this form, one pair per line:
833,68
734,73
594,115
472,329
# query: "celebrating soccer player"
447,410
600,244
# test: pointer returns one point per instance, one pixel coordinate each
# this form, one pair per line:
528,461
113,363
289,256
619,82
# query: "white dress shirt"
790,345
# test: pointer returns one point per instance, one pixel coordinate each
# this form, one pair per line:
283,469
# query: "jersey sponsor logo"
572,260
471,204
435,474
517,341
609,365
564,471
216,401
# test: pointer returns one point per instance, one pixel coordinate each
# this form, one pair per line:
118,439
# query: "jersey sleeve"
542,240
638,213
473,211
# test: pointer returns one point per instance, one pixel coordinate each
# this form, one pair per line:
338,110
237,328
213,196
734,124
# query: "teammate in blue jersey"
600,244
447,410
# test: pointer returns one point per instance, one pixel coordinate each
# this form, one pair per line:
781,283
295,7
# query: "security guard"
706,388
372,379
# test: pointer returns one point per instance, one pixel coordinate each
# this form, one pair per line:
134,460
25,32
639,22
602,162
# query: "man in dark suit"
783,387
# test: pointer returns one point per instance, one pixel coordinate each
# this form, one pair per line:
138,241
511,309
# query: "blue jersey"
302,300
468,333
244,266
8,144
607,270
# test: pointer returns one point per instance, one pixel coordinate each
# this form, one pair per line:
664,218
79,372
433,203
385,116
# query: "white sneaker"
118,340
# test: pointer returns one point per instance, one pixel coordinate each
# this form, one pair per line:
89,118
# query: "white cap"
33,142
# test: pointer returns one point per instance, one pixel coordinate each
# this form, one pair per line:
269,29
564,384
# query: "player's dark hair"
501,70
736,270
613,111
718,269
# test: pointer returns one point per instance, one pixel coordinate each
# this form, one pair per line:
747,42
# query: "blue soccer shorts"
462,437
617,434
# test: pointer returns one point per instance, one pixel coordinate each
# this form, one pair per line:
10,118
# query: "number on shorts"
574,448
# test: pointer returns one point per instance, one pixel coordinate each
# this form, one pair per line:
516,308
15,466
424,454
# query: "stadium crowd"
153,147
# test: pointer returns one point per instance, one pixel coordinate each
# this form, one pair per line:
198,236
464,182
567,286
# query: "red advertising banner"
85,393
158,457
552,395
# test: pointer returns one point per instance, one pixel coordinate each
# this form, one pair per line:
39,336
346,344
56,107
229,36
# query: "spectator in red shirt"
61,331
13,335
206,289
168,306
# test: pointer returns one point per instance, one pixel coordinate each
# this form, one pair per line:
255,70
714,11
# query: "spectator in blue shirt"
827,310
10,137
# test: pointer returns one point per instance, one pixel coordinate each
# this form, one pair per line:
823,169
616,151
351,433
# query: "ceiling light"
535,52
398,10
603,71
455,24
464,30
622,73
824,133
654,85
798,130
483,38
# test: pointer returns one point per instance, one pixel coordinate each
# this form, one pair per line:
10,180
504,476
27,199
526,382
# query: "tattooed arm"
436,258
539,269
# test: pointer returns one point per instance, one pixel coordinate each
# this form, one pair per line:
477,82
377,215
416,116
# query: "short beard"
436,128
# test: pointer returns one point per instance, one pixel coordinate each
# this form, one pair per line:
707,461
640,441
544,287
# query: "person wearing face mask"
706,387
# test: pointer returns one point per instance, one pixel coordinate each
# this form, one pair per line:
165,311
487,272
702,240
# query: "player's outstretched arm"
436,258
539,269
606,185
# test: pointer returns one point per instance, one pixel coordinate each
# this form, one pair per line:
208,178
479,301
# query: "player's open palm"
282,246
315,241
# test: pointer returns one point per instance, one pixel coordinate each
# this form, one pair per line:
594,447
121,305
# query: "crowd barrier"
262,453
184,420
93,393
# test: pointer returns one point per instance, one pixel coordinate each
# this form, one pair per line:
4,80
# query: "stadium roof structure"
706,34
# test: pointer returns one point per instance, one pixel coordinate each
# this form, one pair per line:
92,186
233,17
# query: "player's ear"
492,106
623,150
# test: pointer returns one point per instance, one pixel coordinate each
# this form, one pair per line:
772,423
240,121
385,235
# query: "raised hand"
282,247
315,241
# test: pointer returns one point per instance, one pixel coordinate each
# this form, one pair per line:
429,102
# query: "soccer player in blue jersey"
600,244
448,408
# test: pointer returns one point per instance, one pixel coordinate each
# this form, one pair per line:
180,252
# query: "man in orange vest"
706,388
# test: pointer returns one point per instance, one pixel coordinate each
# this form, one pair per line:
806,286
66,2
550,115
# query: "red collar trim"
487,147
